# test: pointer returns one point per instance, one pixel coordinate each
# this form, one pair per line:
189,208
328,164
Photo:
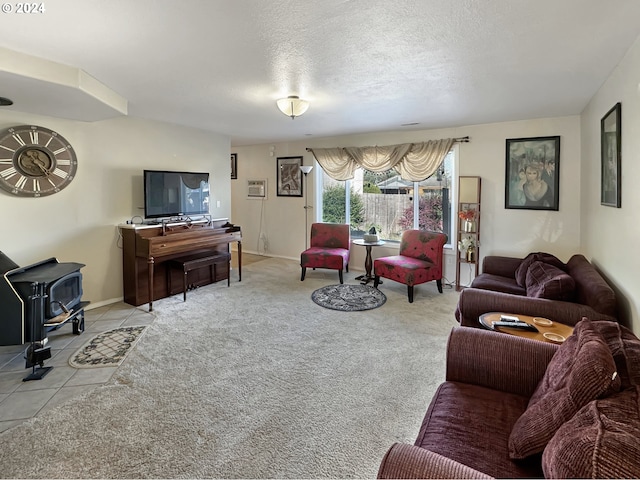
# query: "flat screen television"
175,194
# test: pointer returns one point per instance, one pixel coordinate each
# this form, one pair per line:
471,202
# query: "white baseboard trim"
355,268
103,303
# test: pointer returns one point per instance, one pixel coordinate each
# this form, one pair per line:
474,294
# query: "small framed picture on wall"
532,179
289,177
610,144
234,166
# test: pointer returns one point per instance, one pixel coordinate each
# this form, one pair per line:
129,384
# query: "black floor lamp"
306,169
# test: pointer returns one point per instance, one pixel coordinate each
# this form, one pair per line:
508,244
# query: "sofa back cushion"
591,288
581,370
521,271
600,441
625,348
496,283
546,281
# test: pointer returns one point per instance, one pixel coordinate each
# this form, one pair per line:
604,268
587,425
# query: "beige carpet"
251,381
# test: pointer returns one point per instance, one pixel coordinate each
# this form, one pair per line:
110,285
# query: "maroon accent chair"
419,261
330,244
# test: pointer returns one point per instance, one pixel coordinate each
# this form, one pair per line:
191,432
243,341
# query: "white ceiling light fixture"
292,106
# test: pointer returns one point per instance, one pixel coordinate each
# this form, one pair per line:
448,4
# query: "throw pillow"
546,281
581,370
521,271
600,441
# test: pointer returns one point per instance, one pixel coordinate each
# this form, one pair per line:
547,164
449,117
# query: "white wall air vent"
257,189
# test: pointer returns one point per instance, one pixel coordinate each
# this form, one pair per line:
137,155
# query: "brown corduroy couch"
517,408
517,285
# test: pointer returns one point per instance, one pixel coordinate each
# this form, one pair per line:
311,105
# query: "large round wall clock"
35,161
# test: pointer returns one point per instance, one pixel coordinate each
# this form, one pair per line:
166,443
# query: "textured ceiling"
364,65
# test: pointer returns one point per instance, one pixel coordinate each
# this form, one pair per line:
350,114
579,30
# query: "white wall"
503,232
610,234
78,224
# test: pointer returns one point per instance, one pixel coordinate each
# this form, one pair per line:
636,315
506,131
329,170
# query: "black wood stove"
39,298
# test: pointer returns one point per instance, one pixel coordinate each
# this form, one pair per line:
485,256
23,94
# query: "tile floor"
20,400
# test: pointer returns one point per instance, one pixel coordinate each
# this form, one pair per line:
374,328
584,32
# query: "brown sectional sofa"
538,285
512,407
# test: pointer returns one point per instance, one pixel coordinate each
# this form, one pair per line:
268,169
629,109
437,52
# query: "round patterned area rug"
349,298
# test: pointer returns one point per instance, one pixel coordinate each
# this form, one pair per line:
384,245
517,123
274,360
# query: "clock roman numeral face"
35,161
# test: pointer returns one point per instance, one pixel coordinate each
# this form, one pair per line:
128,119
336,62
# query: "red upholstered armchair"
330,243
420,261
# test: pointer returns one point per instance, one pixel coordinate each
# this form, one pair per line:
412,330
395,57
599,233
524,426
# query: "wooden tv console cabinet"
147,249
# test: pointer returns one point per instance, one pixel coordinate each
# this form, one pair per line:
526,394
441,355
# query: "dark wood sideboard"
147,249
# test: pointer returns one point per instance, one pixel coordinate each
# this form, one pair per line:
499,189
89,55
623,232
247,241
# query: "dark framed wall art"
610,146
234,166
289,177
532,179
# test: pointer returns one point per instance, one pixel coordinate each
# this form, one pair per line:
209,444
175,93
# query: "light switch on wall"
218,203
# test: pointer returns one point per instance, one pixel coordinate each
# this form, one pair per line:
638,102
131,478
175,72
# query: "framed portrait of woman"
532,178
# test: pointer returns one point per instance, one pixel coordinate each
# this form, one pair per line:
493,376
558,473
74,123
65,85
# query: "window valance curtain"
413,161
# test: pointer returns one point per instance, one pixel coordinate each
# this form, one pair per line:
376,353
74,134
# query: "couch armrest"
502,266
408,461
473,302
495,360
